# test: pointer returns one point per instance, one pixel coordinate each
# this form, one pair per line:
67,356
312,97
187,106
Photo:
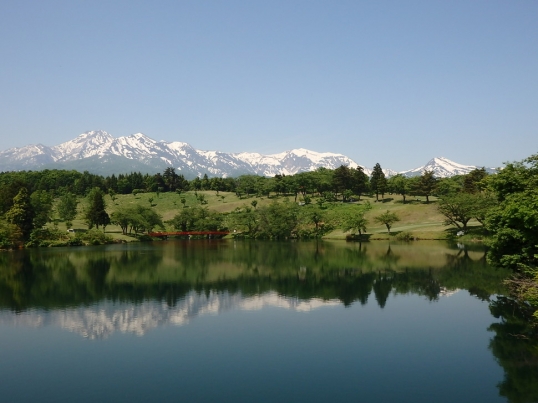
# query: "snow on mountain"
187,160
99,150
442,168
27,157
83,146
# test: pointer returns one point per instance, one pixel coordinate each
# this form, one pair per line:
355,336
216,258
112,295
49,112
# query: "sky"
394,82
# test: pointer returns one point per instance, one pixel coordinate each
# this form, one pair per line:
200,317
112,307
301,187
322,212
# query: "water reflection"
131,289
167,271
105,318
189,275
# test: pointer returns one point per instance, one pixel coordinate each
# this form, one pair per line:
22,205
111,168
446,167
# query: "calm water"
225,321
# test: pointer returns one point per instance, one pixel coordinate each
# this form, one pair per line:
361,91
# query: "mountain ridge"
99,152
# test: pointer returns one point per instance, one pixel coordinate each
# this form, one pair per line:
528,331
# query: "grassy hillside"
418,218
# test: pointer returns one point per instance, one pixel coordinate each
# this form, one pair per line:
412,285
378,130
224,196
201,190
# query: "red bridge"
185,233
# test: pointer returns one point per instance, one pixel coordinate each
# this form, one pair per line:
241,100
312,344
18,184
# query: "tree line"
26,202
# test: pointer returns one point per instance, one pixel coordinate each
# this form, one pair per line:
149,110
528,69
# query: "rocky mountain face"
98,152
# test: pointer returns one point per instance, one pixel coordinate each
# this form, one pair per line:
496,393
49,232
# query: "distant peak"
95,133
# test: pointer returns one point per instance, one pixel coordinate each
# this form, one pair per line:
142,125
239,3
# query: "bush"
94,237
404,236
45,237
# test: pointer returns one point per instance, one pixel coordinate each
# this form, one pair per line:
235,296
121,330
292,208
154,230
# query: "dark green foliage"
93,237
67,208
474,181
515,221
426,185
449,186
244,220
47,237
136,218
41,202
342,179
197,219
10,236
95,213
378,182
21,213
515,226
361,182
399,184
278,220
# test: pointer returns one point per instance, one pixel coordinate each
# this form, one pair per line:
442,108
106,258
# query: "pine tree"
96,213
342,180
378,182
360,181
427,184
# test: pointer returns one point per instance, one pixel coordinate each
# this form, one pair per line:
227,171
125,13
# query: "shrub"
95,237
404,236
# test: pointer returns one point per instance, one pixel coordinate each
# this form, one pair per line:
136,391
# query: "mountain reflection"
105,318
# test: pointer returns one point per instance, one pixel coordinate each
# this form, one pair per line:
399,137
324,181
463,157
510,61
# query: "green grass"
419,219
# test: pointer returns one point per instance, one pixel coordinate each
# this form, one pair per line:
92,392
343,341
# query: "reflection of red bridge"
188,233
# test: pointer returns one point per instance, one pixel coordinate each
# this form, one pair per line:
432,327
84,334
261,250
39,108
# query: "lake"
253,321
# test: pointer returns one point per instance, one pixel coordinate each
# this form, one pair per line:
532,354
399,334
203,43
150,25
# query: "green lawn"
418,218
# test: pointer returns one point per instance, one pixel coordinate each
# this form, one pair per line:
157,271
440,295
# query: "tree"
138,218
473,182
484,203
278,220
426,185
399,184
353,219
95,214
67,208
342,180
171,179
41,202
197,219
21,213
458,209
360,181
322,219
449,186
122,218
378,182
245,220
514,222
388,218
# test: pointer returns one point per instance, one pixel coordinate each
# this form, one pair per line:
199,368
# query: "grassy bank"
418,220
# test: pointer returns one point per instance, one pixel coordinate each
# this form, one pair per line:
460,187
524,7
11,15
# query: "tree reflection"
329,271
515,346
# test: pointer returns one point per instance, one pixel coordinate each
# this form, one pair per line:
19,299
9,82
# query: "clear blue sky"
394,82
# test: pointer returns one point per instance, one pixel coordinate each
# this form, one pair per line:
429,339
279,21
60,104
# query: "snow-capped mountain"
442,168
98,152
96,149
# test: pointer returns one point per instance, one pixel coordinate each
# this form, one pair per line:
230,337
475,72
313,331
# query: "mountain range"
100,153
